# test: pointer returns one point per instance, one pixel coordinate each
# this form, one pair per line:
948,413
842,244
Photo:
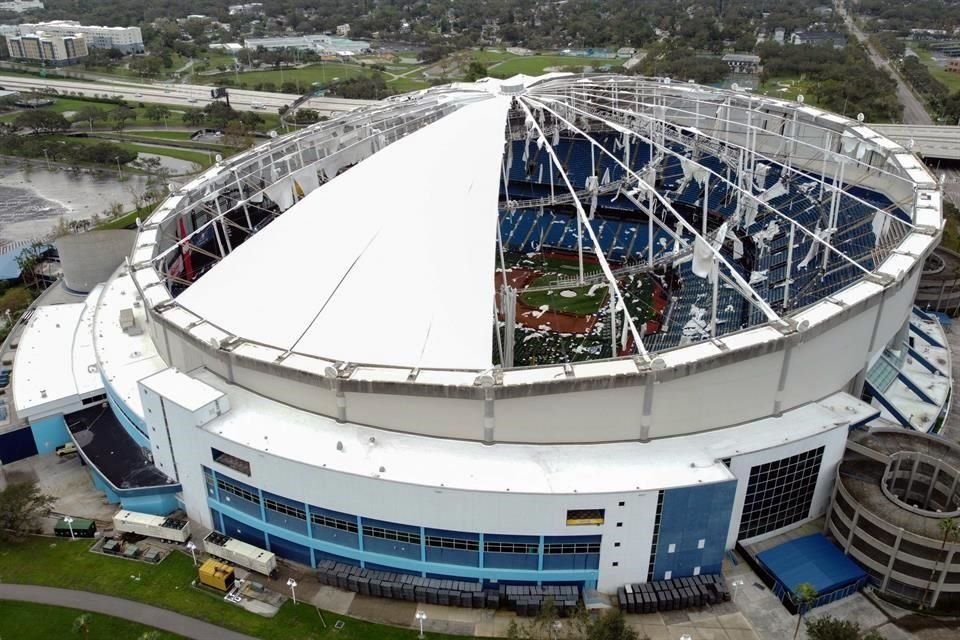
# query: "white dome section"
390,262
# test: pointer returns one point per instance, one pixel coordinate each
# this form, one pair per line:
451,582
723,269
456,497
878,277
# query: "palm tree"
804,596
82,624
950,528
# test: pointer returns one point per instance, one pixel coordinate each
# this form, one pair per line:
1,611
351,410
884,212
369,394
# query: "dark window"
285,509
511,547
620,504
453,543
333,523
616,564
558,548
584,516
390,534
616,544
226,486
779,493
208,480
656,536
229,461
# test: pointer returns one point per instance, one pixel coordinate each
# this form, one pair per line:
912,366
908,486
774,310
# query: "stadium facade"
558,330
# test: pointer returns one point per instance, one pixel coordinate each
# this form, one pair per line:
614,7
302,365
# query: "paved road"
913,110
120,608
182,95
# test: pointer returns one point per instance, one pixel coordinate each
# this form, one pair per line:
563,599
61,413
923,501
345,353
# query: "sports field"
561,322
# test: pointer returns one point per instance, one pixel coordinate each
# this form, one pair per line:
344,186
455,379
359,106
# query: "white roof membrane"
388,263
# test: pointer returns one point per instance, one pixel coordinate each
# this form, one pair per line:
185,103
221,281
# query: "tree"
81,624
41,121
192,117
120,115
611,625
90,115
829,628
804,596
157,112
475,71
950,529
21,506
27,260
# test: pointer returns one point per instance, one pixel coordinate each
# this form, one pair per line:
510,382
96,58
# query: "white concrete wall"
508,513
833,440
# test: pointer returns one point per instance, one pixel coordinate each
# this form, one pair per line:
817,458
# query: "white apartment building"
20,6
48,48
126,39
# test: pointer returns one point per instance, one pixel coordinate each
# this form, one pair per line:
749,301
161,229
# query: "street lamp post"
119,170
421,616
736,586
69,522
193,551
293,589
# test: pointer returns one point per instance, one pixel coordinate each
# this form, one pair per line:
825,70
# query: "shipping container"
82,528
240,553
152,526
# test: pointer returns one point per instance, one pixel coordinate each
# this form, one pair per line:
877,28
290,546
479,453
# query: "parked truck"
151,526
240,553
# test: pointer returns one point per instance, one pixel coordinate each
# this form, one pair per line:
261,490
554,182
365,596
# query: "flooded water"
33,199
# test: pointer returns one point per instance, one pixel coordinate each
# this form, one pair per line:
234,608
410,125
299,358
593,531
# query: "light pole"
420,616
293,589
69,522
736,586
193,551
119,170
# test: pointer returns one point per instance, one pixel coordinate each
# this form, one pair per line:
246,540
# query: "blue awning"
814,560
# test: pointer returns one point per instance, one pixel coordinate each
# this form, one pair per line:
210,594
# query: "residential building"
742,62
20,6
125,39
836,40
343,30
48,48
249,9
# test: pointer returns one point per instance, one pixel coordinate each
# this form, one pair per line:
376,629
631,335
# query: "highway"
181,95
913,110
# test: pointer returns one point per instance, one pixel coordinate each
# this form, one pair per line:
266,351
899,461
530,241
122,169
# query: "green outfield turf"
583,301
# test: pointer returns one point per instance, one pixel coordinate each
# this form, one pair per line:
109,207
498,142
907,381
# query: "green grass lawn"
66,564
28,621
786,89
407,83
162,135
322,72
537,64
199,157
949,79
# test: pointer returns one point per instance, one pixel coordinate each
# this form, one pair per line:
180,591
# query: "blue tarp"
812,559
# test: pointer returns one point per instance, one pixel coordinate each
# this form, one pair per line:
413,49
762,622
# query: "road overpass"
931,142
180,95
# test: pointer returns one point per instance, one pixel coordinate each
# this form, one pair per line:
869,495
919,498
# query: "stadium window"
391,534
511,547
619,524
228,487
616,544
579,517
285,509
620,504
779,493
229,461
453,543
565,548
616,564
333,523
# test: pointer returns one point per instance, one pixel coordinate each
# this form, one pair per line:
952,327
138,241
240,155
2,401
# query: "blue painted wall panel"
291,550
49,433
692,514
453,556
391,547
158,504
336,536
245,532
528,561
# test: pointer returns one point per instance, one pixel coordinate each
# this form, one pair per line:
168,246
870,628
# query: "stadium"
557,330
